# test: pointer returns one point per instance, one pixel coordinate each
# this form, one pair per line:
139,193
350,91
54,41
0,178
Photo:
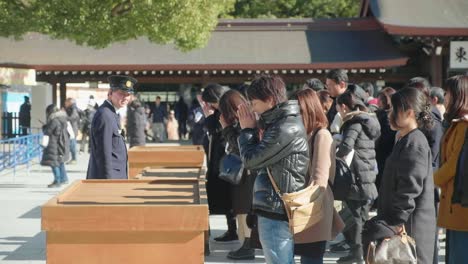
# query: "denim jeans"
277,241
73,148
457,241
60,173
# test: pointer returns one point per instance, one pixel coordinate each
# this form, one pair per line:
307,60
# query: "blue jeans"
277,241
73,148
457,241
60,173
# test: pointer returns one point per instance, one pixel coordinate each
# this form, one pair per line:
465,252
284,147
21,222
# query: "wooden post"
54,93
63,94
436,70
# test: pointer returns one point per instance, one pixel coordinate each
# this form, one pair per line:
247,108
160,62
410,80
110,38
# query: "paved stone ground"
21,197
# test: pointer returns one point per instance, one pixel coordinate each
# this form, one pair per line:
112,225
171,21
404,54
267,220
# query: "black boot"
227,236
231,234
355,256
244,252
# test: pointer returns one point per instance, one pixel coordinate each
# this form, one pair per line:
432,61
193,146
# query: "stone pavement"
21,197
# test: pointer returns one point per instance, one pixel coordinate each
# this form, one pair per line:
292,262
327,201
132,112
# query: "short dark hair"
385,97
264,87
158,97
368,87
437,92
338,75
420,83
315,84
213,92
351,99
457,87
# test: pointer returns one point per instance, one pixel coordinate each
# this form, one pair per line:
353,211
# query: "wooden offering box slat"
164,157
120,221
171,173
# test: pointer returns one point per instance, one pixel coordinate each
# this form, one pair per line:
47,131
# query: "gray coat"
108,159
406,195
58,148
360,131
73,118
284,149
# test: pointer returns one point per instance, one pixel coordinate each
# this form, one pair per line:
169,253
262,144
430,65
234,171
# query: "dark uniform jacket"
406,195
284,149
108,158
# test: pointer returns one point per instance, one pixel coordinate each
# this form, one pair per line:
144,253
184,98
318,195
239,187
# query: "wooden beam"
63,93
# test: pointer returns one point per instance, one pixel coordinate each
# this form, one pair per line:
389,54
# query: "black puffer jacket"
58,149
283,149
360,130
136,124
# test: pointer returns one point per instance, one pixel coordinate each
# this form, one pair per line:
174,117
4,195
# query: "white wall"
41,97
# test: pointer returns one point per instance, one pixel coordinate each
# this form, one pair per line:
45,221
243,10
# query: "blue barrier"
19,151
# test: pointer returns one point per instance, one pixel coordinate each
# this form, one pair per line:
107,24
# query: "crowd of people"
407,153
406,150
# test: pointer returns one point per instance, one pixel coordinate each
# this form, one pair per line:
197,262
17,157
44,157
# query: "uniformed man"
108,158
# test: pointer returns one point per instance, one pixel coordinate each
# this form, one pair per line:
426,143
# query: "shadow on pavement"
33,213
30,248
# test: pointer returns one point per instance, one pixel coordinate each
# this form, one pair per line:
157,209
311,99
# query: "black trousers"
360,214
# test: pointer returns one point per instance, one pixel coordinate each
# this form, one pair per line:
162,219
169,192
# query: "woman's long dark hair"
412,98
457,87
228,105
50,109
312,112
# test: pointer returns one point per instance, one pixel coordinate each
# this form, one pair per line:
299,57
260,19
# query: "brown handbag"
399,248
303,208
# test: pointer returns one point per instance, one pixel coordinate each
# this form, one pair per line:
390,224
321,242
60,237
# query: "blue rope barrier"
19,151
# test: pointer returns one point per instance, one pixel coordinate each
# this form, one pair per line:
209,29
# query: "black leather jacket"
283,149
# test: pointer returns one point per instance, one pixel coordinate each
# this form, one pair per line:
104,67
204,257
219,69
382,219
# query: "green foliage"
98,23
295,8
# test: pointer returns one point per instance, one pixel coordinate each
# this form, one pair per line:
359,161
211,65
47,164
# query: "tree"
98,23
294,8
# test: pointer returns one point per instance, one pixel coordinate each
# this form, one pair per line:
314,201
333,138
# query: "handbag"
304,208
399,248
343,182
45,141
344,178
231,168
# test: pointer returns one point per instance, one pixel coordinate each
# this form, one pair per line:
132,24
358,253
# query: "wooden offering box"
171,173
127,221
164,157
